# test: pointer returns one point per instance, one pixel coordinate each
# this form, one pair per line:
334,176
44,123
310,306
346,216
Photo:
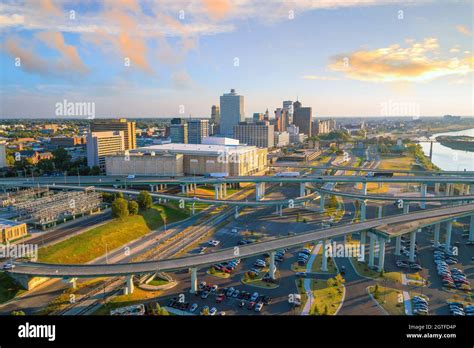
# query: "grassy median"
8,288
91,244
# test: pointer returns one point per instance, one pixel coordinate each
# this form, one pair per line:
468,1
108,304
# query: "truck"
288,174
380,174
217,175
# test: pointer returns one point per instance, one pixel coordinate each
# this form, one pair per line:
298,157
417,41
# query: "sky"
132,58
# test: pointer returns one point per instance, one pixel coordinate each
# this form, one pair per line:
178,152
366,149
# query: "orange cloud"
29,61
70,58
417,62
463,30
217,9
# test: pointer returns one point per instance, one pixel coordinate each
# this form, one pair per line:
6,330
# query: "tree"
95,170
108,197
133,207
331,282
18,313
119,195
144,200
61,159
120,208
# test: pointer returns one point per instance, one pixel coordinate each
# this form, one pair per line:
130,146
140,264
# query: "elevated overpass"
377,228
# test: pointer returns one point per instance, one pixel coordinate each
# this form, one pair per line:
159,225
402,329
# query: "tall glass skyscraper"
232,112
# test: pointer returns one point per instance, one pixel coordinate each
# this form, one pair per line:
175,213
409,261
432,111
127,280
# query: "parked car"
258,307
194,307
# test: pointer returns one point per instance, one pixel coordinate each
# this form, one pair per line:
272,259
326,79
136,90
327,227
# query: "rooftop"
4,223
198,148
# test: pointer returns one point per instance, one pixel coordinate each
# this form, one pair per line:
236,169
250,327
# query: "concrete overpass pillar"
193,208
436,188
129,285
281,210
412,246
272,269
364,188
260,190
449,229
194,284
436,234
322,202
183,189
406,208
324,263
151,188
423,195
381,254
302,189
380,211
216,191
225,190
398,245
471,229
371,250
363,208
363,237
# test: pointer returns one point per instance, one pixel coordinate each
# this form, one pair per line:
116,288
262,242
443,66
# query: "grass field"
326,299
8,288
91,244
389,299
364,270
397,163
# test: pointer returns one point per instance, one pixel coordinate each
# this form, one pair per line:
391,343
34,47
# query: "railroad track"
168,249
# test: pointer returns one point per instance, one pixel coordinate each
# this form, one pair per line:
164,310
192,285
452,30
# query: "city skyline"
182,56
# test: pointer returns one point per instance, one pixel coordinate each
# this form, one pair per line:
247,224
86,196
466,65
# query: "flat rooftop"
4,223
197,149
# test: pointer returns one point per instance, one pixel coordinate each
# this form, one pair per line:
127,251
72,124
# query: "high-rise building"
288,106
214,125
215,114
281,117
260,134
100,144
266,117
302,117
258,116
197,130
232,112
179,131
3,155
127,127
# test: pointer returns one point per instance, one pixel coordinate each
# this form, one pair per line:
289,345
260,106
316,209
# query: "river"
449,159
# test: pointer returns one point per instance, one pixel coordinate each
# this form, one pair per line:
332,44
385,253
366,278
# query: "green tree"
61,159
133,207
108,197
144,200
16,313
119,195
120,208
95,170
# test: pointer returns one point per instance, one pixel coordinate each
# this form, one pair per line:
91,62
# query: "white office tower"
232,112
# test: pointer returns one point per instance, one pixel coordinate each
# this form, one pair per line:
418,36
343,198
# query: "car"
205,310
213,242
415,266
221,313
302,274
8,266
220,298
254,296
230,291
213,311
214,288
194,307
202,285
251,305
267,300
236,294
242,304
343,270
205,294
258,307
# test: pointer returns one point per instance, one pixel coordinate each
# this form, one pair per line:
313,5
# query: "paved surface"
50,270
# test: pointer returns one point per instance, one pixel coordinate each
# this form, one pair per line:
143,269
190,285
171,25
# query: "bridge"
378,230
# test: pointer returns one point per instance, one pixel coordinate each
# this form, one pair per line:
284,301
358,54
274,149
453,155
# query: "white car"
258,307
213,242
8,266
213,311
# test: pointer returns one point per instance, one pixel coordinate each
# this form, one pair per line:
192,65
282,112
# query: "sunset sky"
146,58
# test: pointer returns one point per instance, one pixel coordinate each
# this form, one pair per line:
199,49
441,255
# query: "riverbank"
460,142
